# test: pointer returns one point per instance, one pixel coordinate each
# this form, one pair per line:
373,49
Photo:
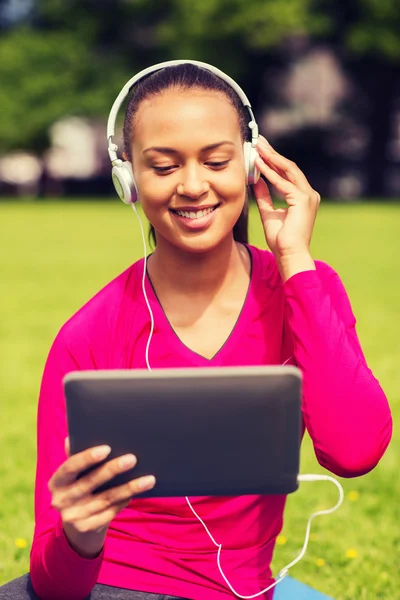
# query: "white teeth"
195,215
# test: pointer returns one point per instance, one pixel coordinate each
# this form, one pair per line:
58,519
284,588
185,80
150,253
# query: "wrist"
88,544
292,263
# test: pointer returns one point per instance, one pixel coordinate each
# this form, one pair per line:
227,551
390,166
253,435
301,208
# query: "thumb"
263,198
67,447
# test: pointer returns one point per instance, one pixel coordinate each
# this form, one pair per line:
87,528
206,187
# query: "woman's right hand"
85,515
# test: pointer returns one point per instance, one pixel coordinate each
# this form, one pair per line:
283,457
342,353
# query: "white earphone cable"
310,477
283,572
144,287
301,478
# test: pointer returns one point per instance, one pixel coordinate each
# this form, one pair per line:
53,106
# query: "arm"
345,410
71,519
52,558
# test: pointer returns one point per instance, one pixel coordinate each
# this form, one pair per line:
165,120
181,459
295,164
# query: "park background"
324,80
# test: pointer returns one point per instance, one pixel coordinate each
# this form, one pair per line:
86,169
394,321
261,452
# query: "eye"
164,170
217,165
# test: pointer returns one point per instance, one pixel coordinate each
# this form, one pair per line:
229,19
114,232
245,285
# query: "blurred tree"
71,57
366,36
68,58
45,77
244,36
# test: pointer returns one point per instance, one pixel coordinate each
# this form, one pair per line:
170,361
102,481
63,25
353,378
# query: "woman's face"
187,158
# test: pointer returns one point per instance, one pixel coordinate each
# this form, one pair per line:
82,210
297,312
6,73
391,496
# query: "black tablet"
199,431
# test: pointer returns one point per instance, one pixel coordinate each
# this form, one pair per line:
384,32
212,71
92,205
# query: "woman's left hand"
287,231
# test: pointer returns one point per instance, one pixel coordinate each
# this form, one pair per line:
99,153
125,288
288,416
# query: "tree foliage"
45,78
71,57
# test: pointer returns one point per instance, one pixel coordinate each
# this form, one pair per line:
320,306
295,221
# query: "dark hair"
186,76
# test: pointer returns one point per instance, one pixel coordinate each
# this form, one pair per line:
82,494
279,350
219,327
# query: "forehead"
179,113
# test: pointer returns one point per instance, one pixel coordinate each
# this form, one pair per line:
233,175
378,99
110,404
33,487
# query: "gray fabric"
21,589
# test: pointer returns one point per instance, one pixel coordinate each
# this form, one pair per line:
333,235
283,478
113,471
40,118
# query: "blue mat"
291,589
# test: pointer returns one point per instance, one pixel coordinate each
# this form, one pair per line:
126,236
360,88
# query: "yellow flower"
353,496
21,543
351,553
320,562
281,540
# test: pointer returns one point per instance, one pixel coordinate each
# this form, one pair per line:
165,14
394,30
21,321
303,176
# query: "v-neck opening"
163,324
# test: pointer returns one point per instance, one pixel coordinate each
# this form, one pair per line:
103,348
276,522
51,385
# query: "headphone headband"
112,148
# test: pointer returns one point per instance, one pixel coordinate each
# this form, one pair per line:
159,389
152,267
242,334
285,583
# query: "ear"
125,156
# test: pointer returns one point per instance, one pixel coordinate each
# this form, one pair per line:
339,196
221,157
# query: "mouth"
194,213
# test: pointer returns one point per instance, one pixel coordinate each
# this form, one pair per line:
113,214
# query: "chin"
198,243
219,231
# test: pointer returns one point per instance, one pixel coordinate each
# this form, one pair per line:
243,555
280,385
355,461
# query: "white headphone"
122,174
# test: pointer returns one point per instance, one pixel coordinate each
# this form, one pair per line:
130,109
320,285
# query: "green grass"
54,256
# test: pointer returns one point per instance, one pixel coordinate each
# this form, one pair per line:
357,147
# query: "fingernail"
129,460
101,452
264,142
147,482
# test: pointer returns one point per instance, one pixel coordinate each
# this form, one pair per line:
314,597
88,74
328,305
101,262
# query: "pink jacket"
157,545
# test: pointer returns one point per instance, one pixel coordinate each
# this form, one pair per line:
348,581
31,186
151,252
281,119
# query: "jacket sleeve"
344,408
56,570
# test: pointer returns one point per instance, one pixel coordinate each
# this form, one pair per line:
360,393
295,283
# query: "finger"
263,153
118,507
263,197
67,447
120,494
264,140
97,522
287,168
115,497
77,490
262,193
301,182
283,186
70,469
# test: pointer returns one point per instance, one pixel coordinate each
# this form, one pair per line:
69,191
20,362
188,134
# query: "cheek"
231,184
154,192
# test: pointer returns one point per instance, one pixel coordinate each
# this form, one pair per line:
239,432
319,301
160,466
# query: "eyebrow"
167,150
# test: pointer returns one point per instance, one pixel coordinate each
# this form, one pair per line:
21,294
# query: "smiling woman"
217,301
178,102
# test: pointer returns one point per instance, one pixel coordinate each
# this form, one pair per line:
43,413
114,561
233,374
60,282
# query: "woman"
217,302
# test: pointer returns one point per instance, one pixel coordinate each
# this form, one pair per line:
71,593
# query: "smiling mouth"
194,214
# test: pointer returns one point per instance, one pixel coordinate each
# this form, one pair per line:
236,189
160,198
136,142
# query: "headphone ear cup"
124,182
250,154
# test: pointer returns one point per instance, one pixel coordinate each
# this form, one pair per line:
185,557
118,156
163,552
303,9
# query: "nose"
194,183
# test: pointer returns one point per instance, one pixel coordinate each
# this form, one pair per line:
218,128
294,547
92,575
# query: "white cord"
144,287
283,572
308,477
311,477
